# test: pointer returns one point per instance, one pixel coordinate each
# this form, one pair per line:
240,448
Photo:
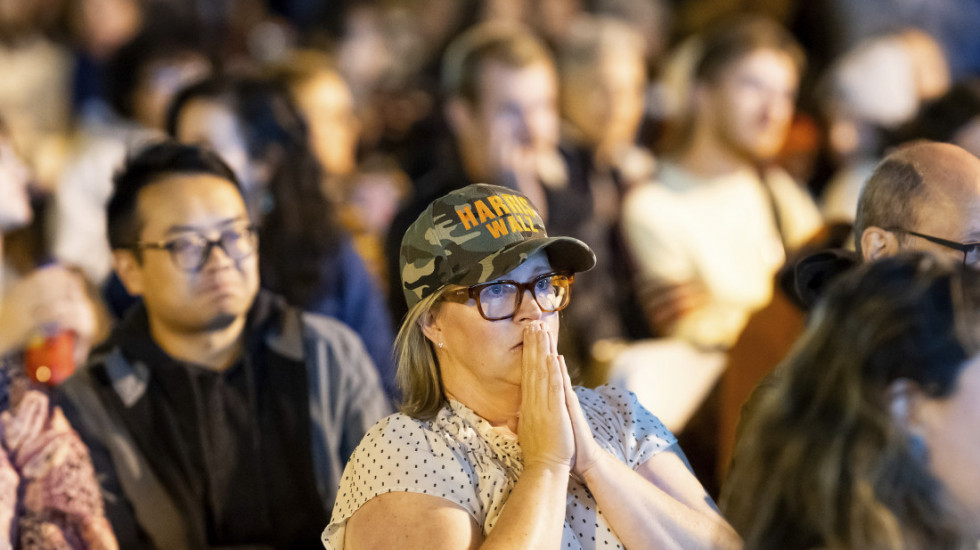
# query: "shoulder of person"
650,196
294,330
785,187
622,424
323,328
607,399
667,184
404,450
397,426
420,440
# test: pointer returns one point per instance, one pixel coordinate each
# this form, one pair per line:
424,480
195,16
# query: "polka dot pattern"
460,457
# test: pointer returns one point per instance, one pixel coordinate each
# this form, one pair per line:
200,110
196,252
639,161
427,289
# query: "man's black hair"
147,166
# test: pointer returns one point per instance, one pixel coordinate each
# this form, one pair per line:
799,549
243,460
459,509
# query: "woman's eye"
495,290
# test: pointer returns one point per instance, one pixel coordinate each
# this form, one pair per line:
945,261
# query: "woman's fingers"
539,368
544,428
587,451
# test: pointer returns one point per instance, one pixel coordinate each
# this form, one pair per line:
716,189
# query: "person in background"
140,79
326,103
38,298
501,105
49,496
308,258
494,447
710,232
920,198
870,92
953,118
217,416
867,440
366,195
35,92
603,79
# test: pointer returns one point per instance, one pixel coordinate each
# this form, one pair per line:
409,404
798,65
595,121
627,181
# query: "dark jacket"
151,430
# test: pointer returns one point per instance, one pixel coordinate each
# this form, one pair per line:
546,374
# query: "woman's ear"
877,243
430,326
904,403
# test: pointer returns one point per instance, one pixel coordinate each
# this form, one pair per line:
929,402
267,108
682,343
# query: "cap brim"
564,253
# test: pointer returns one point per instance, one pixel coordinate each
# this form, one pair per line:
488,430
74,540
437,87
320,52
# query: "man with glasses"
922,197
215,414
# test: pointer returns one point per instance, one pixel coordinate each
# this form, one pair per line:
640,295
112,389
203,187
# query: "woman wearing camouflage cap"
493,448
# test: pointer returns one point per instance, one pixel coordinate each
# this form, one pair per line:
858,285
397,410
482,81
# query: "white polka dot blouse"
460,457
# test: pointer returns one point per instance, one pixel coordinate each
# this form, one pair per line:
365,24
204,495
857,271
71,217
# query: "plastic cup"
50,356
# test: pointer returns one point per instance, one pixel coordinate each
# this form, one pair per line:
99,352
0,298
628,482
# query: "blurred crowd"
698,147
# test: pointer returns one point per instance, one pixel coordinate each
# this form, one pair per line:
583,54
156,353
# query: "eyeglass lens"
501,300
971,256
192,251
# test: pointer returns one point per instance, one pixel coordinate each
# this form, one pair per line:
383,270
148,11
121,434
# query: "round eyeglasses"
498,300
191,251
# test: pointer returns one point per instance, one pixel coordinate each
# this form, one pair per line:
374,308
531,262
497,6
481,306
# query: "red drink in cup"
50,356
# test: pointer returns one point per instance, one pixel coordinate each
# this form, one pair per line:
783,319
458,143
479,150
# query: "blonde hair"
418,376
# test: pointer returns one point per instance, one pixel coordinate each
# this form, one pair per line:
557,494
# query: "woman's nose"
528,310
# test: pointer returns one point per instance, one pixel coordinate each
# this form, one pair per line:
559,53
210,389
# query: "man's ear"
129,270
700,101
877,243
459,116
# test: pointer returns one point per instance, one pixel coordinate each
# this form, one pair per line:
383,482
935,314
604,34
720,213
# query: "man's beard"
220,322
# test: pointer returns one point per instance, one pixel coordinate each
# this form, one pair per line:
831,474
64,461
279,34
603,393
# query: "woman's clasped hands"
552,429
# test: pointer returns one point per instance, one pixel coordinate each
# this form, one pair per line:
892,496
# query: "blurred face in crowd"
15,15
751,105
105,25
15,203
328,106
948,427
213,124
606,103
515,116
160,81
211,297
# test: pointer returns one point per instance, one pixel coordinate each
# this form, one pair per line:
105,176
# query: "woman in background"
49,497
868,440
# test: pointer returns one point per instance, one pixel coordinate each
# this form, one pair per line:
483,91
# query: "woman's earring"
441,345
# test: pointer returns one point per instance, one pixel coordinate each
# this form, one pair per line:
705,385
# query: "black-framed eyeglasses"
498,300
971,251
191,251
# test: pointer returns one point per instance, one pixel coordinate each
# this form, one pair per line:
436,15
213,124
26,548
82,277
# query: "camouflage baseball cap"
476,234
